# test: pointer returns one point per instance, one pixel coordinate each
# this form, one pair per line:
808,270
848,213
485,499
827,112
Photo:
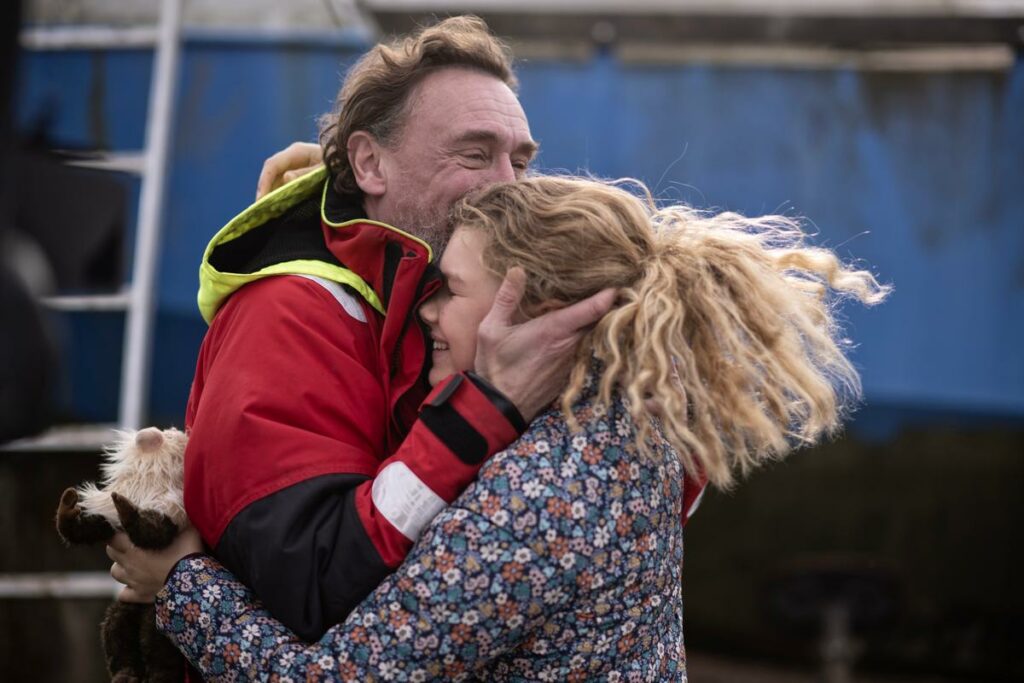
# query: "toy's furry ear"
149,439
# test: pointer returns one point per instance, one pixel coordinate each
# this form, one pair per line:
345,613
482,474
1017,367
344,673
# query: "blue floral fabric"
561,563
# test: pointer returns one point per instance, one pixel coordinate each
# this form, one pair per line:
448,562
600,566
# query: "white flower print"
532,488
490,552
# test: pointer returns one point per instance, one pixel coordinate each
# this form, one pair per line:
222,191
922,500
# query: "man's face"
464,129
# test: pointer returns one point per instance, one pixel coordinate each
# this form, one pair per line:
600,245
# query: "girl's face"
454,313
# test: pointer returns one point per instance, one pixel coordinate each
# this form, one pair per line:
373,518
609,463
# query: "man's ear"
365,157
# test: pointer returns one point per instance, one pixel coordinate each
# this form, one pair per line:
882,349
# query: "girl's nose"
428,311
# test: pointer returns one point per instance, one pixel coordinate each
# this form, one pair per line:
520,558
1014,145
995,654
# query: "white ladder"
136,298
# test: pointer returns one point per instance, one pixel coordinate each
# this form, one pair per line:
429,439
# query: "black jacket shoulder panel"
305,553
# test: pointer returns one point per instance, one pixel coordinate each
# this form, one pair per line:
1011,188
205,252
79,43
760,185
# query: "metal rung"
65,438
88,37
89,302
58,585
125,162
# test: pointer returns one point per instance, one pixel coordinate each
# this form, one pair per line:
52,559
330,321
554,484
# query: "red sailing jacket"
315,455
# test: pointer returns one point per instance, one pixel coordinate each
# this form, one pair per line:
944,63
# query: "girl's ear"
366,158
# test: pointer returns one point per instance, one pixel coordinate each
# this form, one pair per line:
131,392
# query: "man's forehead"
458,102
468,83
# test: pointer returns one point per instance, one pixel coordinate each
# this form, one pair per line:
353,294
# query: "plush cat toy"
141,493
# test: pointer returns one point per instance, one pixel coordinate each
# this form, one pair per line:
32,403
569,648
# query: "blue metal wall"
919,175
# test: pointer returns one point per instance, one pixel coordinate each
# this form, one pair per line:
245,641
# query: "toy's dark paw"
147,529
128,513
125,676
74,526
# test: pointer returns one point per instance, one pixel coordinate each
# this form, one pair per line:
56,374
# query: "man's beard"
430,225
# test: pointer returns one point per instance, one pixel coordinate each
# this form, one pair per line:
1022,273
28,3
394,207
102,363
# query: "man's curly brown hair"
376,92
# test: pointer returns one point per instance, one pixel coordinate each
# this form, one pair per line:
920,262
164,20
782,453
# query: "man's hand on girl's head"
529,362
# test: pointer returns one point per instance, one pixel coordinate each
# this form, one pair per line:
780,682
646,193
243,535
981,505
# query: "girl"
563,561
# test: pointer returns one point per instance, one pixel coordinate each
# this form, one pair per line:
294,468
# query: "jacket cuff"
471,418
500,401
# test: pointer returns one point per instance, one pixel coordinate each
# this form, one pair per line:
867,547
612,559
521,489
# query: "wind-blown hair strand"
726,322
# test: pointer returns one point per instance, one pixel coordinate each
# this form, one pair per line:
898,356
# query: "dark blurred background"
896,129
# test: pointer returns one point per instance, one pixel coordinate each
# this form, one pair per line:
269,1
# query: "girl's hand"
143,572
294,161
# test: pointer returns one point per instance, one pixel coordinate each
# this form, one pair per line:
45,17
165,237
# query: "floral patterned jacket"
561,563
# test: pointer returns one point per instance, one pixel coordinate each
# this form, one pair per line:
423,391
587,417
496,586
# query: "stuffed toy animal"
141,494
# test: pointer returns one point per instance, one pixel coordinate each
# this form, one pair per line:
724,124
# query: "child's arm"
464,596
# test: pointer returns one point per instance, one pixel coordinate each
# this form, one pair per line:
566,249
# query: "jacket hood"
304,228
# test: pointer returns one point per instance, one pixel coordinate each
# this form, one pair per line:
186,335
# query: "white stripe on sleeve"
405,500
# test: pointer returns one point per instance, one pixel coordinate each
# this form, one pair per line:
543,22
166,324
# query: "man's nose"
503,171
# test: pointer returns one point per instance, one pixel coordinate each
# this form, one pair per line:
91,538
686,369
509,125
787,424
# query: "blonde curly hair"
726,322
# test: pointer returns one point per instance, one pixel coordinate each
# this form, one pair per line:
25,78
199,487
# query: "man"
311,466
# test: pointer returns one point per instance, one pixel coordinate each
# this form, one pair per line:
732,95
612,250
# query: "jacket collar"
375,251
